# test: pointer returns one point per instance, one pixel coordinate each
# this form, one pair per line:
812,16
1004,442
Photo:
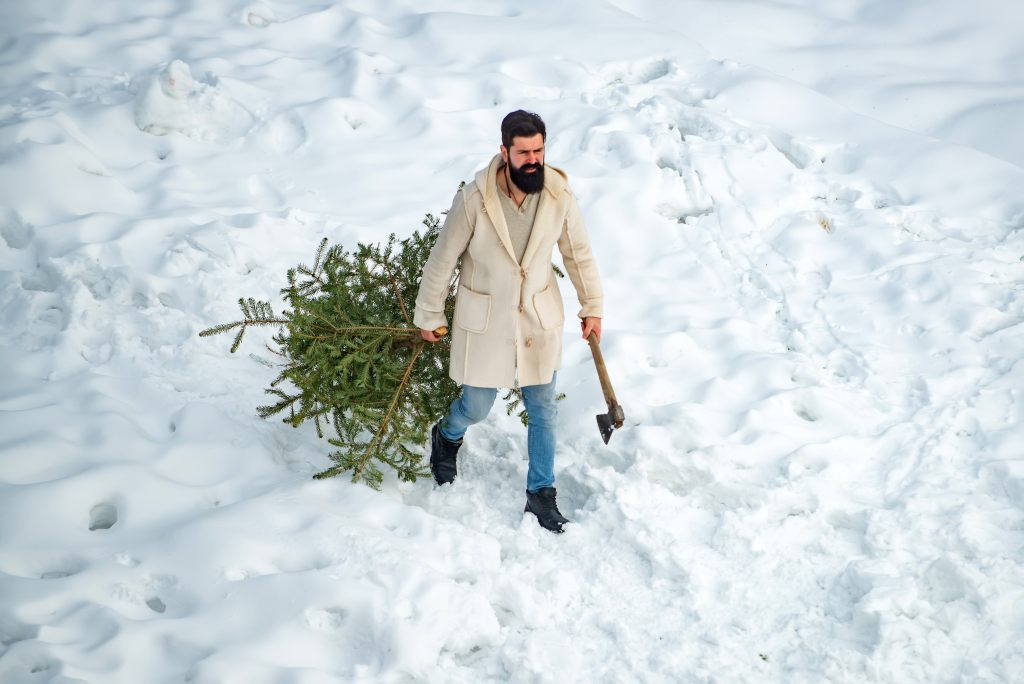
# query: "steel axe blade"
607,422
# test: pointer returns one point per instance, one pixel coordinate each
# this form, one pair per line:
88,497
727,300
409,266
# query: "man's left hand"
591,324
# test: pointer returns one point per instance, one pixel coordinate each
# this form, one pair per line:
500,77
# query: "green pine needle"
352,359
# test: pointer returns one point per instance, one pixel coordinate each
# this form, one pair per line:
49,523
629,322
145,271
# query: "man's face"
525,159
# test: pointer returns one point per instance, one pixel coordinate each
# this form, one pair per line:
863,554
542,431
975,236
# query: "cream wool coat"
508,316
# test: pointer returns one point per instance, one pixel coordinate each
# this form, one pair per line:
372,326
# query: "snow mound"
173,101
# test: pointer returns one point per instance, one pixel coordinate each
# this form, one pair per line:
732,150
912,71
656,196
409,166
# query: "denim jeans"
475,403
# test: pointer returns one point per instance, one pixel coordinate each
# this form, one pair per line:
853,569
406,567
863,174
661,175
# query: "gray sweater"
519,221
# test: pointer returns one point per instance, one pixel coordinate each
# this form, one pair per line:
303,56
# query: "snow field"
813,324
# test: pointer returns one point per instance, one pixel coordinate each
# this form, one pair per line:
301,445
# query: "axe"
606,422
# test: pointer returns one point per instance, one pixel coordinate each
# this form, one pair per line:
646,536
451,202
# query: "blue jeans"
475,403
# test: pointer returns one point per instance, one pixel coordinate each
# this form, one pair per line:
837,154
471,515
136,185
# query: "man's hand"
429,335
591,324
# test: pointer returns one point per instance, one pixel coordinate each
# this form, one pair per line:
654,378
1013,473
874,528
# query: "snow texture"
808,218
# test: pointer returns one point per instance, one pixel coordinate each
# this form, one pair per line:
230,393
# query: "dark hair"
521,124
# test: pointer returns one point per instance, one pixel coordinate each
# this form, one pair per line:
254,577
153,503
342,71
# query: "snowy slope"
949,71
814,323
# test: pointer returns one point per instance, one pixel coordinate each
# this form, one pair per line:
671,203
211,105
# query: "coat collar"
555,183
555,180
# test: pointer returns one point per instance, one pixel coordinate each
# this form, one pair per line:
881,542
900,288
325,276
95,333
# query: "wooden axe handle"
602,373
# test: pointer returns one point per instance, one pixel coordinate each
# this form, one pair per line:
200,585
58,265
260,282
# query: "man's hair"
521,124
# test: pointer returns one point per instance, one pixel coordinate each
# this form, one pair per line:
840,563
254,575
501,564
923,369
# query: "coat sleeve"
580,265
437,272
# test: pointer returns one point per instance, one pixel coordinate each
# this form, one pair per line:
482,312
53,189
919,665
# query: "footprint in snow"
14,231
805,413
639,73
154,591
258,15
60,568
103,516
45,278
799,155
326,619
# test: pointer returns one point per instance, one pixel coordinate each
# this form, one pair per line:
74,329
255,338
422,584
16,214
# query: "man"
508,312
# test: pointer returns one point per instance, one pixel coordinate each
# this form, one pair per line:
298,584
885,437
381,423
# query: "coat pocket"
548,305
472,310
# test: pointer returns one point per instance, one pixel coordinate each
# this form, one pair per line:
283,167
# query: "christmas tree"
352,360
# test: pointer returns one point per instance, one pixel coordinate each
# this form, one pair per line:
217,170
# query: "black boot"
442,457
542,504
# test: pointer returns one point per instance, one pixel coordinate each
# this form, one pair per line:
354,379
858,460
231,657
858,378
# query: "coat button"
529,341
522,272
522,308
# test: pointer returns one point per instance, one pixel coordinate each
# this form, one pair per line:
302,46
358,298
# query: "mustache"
535,166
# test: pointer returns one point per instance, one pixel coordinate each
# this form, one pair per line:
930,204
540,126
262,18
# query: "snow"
808,218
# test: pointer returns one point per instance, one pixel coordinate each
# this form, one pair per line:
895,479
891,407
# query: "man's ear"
504,153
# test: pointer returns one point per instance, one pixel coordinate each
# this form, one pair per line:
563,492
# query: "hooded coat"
508,315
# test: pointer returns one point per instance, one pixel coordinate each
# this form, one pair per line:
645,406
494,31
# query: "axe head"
607,422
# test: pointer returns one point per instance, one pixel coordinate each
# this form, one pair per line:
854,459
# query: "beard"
527,182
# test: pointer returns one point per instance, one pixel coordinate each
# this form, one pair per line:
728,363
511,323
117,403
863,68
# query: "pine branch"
364,329
285,401
398,293
314,273
387,417
352,359
255,313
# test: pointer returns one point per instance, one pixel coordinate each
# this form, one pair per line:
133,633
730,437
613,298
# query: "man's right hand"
429,335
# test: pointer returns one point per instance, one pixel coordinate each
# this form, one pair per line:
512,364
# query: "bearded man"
508,312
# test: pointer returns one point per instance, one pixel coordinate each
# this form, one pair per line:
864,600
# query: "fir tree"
352,360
